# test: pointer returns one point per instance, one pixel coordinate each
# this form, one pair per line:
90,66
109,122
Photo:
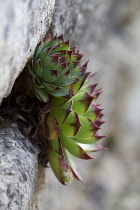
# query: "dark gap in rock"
23,107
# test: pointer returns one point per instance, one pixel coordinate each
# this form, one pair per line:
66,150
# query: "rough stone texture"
107,32
18,171
65,17
23,24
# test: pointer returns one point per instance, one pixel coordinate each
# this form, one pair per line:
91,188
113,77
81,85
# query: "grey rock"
19,172
65,17
23,24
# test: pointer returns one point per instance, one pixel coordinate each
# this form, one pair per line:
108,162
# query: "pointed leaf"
81,102
62,112
37,82
61,38
73,65
51,87
64,45
73,147
91,147
43,54
47,39
38,68
54,161
65,171
93,112
68,66
55,49
88,88
96,93
57,91
76,57
88,130
89,140
79,84
62,68
78,71
60,47
49,75
48,43
57,146
49,63
98,122
38,50
73,166
71,125
65,80
42,95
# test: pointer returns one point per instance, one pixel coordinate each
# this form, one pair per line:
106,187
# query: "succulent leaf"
73,166
41,94
86,141
88,130
72,124
91,147
73,147
81,102
59,167
63,113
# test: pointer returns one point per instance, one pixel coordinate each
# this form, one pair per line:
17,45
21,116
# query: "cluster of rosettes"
72,123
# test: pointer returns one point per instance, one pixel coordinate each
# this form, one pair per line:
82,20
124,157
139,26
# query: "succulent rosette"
55,68
71,125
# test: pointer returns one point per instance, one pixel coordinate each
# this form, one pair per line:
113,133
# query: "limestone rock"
18,170
23,24
65,17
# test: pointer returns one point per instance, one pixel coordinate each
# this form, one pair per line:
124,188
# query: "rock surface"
23,24
19,173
